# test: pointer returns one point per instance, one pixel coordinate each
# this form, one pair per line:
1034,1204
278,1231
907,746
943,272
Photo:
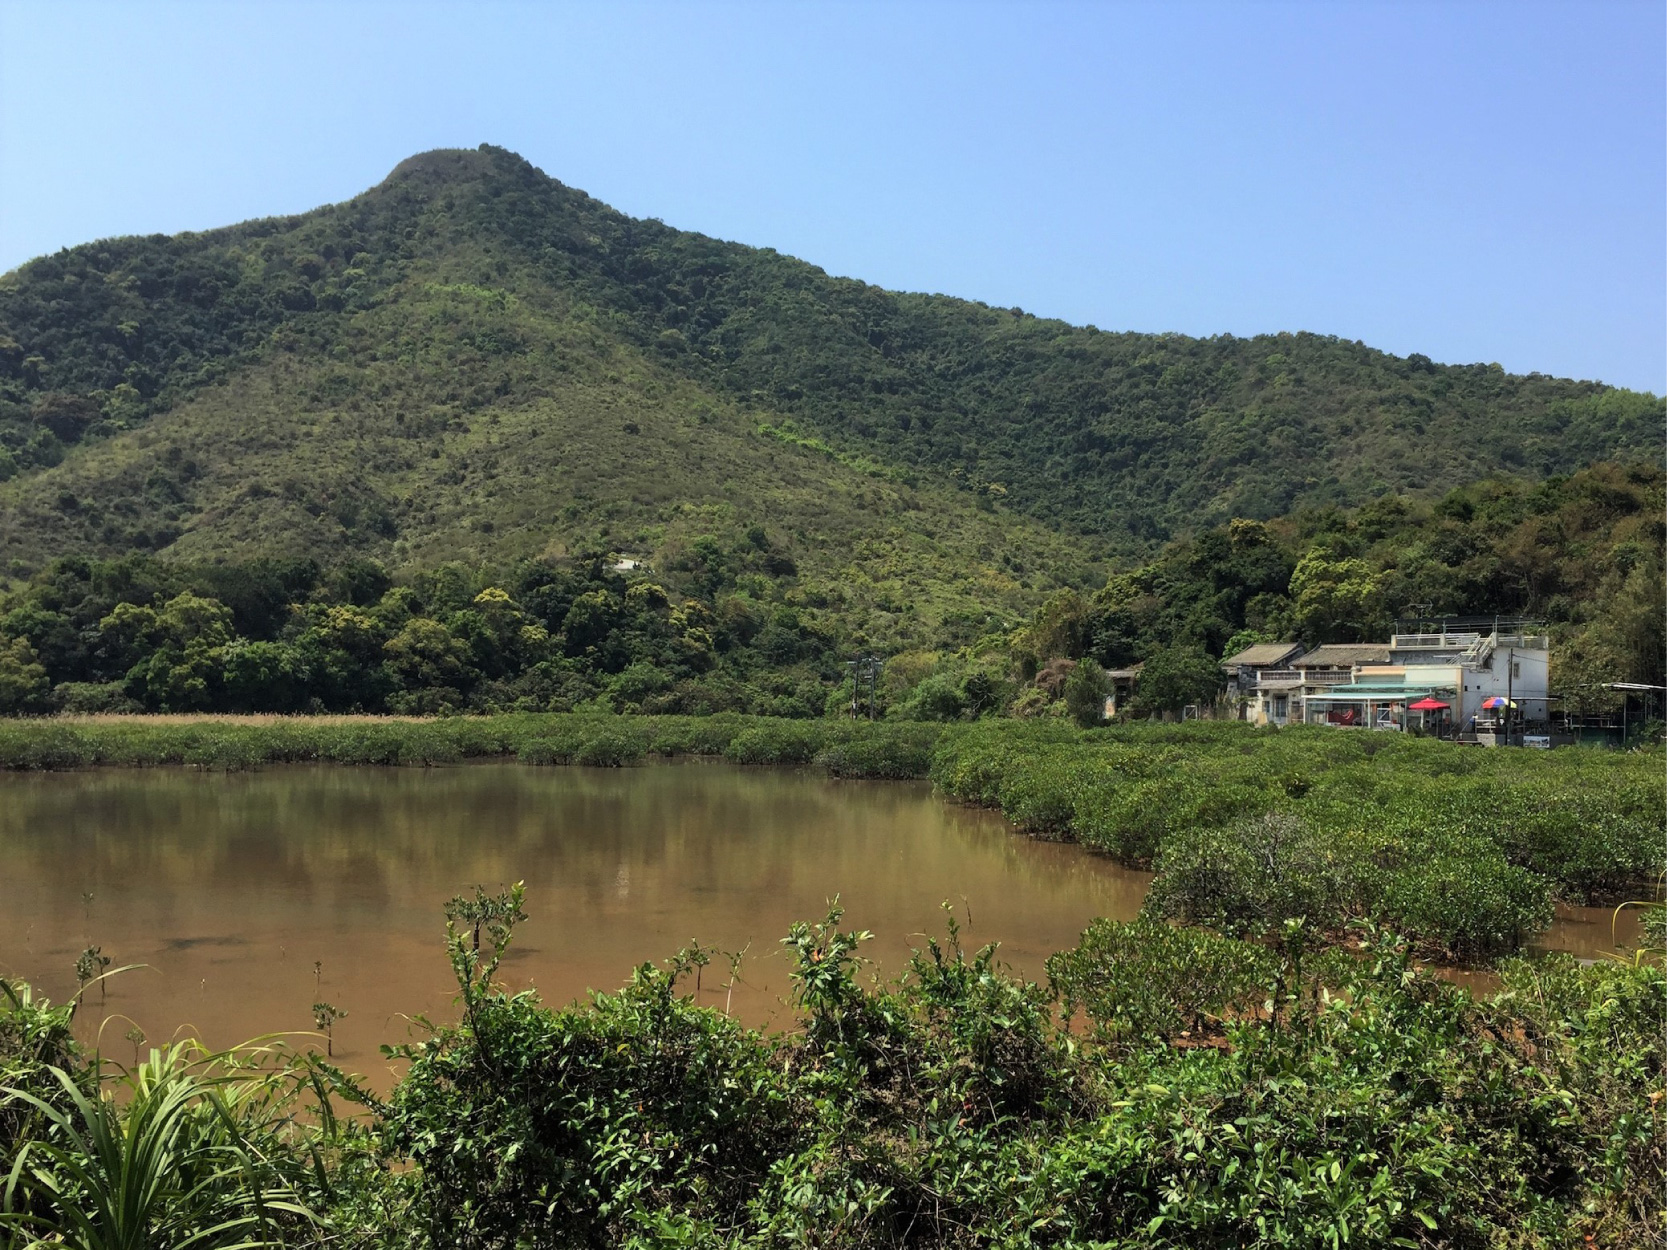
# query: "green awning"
1364,693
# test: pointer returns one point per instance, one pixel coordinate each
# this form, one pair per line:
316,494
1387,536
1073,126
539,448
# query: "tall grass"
188,1148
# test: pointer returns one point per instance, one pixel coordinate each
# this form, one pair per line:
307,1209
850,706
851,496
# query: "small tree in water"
90,965
495,915
324,1019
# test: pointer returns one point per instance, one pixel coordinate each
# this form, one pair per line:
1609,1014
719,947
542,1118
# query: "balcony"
1280,679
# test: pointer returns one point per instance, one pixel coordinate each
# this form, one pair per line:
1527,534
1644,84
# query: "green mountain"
474,362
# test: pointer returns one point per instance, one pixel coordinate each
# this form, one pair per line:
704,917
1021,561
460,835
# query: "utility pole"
1510,706
864,666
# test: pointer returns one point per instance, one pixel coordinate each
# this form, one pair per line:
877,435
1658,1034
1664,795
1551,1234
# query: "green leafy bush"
1149,982
1344,1100
1465,901
1249,878
894,753
776,743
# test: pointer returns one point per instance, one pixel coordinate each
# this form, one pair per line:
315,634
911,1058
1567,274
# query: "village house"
1250,698
1123,682
1273,691
1324,669
1465,682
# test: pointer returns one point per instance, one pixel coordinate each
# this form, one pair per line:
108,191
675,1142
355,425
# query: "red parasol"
1428,705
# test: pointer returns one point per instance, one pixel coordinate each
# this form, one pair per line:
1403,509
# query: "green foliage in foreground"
178,1160
1344,1101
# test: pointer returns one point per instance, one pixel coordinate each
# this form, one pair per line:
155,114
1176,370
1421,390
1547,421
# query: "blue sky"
1478,182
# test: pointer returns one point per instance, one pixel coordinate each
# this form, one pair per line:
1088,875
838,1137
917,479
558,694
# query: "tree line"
721,628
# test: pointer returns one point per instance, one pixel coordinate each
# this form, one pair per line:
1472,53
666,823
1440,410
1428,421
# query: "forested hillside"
734,625
372,362
386,455
1582,555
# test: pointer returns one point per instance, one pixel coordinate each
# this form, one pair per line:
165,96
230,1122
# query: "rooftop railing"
1431,642
1469,645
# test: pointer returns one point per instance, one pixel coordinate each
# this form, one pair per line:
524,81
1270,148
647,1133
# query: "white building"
1461,669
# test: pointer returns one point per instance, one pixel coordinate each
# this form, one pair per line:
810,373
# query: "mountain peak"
444,166
470,293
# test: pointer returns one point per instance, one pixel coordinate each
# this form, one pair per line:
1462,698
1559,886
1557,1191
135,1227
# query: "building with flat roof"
1463,681
1491,684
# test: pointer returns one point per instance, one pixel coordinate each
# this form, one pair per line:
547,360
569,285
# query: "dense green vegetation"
612,455
472,343
140,634
846,748
1582,554
732,624
385,458
1222,1094
1463,851
474,365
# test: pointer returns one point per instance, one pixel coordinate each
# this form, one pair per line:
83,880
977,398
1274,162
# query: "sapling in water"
497,914
325,1016
734,958
89,966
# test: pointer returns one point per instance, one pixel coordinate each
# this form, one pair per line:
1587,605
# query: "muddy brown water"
229,888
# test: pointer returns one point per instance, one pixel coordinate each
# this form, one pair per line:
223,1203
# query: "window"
1516,668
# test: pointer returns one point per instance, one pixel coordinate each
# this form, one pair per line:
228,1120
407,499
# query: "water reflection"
231,887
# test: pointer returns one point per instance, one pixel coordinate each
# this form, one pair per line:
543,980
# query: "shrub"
779,742
1465,901
1086,691
696,735
1374,1105
1146,981
609,749
1250,877
895,753
91,698
578,1122
36,1039
936,698
1595,1032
